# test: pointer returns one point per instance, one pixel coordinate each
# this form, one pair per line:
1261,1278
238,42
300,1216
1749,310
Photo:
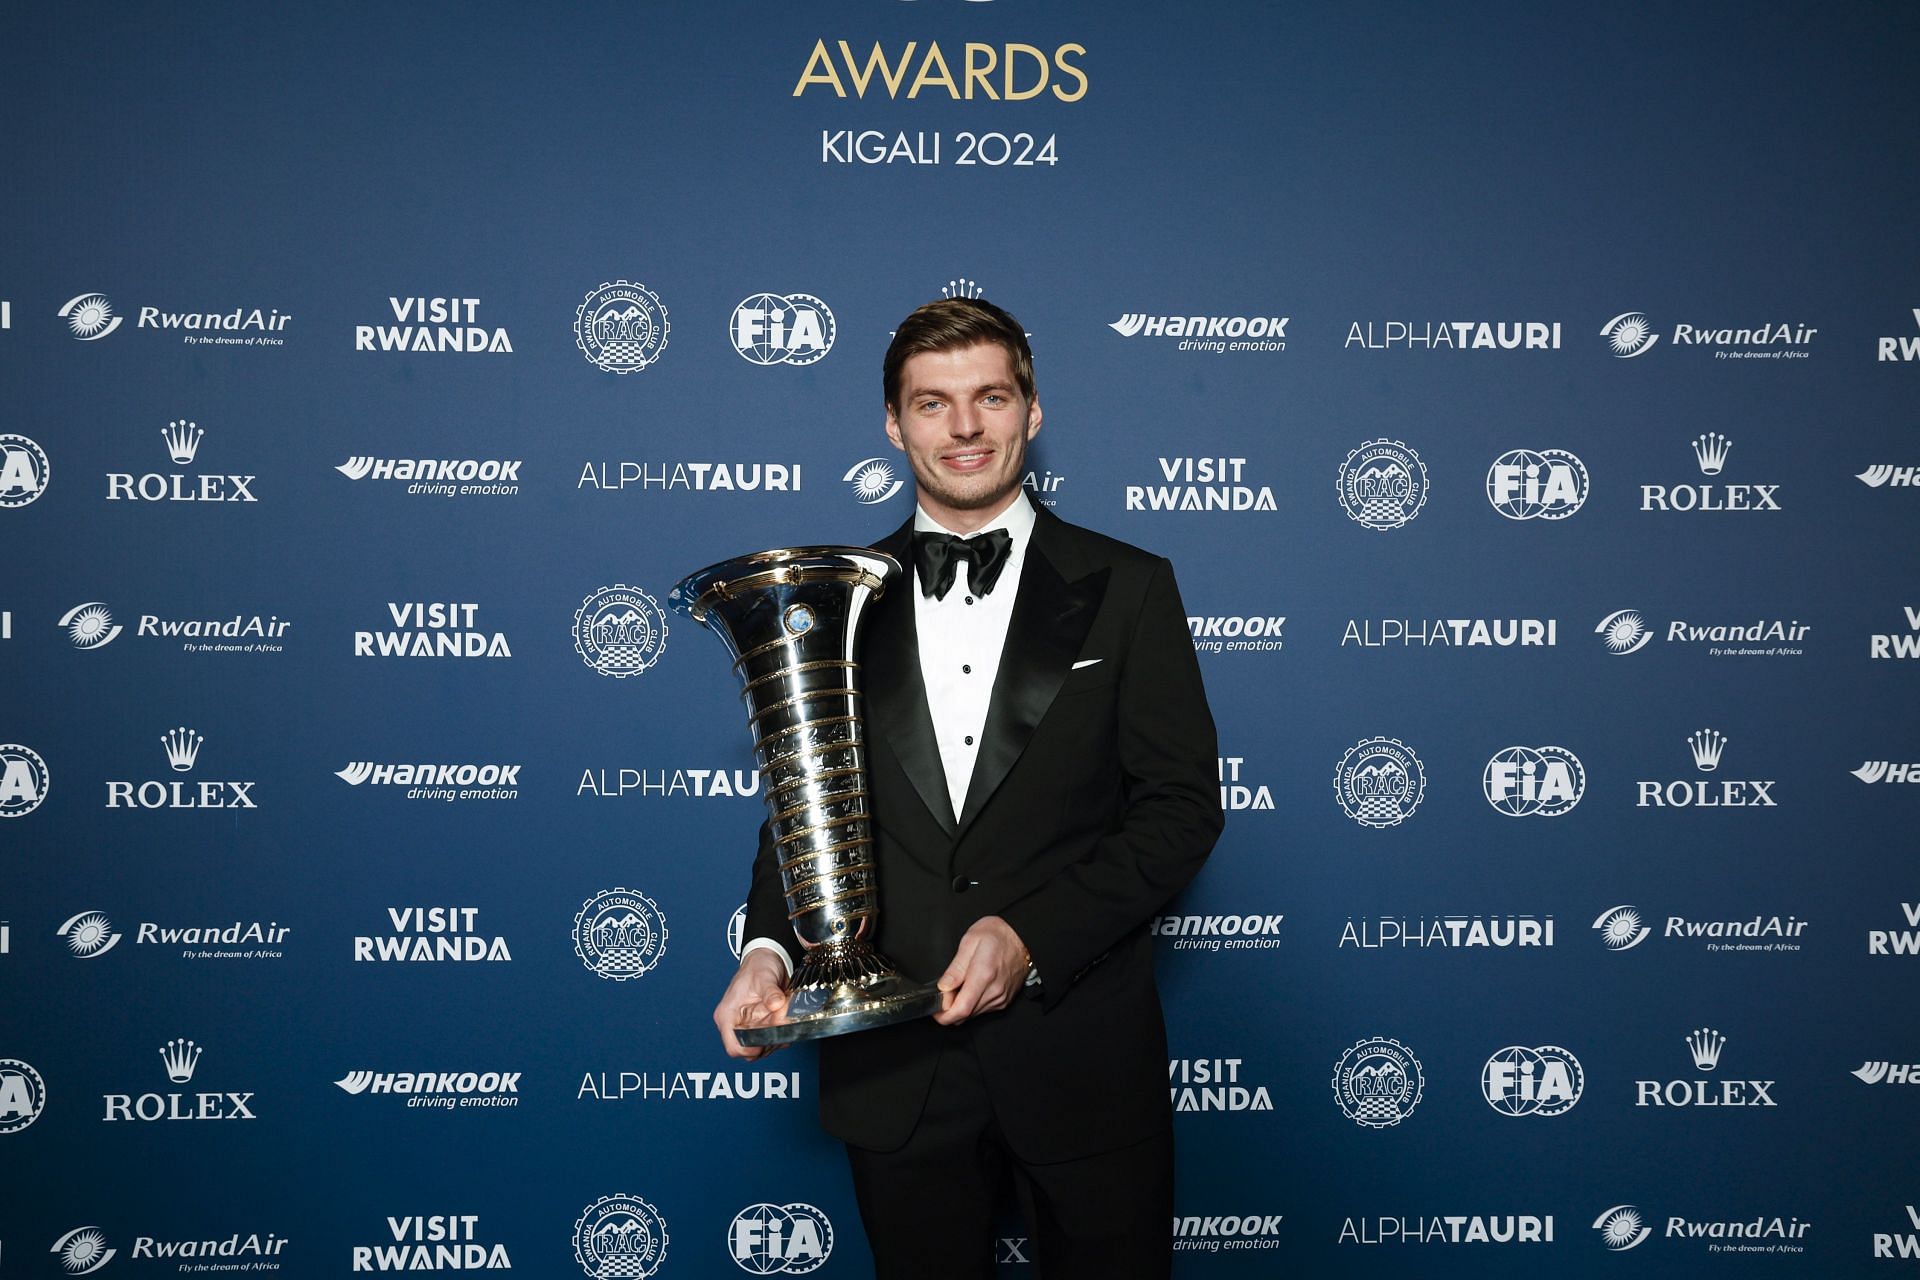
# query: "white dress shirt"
960,642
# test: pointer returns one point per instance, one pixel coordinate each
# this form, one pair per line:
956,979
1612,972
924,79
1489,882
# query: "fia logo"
776,328
737,930
23,780
23,1095
1542,782
1548,484
24,471
1541,1081
770,1239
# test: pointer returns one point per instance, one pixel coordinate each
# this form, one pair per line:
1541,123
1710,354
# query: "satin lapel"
1051,618
897,715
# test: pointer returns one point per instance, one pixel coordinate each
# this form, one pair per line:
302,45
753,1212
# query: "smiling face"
964,425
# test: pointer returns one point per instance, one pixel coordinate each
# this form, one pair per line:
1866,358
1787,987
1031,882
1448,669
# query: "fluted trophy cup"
792,620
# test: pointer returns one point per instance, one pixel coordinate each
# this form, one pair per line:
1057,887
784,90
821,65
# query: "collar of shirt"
1017,520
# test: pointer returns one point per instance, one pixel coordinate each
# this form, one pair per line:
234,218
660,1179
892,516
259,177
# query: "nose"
965,422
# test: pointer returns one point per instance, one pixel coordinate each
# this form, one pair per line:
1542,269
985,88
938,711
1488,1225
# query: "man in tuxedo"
1043,777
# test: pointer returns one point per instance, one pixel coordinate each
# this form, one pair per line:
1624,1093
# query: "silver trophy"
792,620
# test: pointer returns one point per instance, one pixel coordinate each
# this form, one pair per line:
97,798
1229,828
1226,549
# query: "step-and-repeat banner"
1526,398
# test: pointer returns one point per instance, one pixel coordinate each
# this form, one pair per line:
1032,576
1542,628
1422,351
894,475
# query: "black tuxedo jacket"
1094,799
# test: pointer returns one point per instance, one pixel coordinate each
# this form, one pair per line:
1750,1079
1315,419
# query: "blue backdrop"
1663,257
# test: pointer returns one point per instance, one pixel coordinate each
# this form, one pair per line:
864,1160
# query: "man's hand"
756,997
987,972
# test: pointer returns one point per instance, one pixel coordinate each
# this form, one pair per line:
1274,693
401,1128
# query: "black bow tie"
938,557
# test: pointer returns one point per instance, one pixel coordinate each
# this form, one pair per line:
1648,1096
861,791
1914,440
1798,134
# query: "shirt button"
969,739
969,599
966,668
959,884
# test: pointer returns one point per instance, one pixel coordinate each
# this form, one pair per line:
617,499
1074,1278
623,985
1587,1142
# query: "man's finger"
963,998
962,960
732,1045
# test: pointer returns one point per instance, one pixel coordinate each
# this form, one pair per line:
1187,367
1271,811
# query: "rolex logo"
961,288
183,441
183,747
1711,449
1707,744
181,1057
1725,793
1705,1045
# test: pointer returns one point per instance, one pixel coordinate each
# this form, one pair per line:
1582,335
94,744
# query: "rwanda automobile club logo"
620,1237
619,934
1379,782
1383,484
1378,1083
621,327
619,631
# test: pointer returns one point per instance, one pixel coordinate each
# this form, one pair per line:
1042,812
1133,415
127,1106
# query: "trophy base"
817,1012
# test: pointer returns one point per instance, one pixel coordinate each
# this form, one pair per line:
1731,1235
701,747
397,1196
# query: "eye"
994,399
928,406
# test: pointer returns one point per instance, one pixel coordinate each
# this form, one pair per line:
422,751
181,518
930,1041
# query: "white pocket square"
1088,662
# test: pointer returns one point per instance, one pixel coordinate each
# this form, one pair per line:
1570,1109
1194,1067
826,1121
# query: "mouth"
966,459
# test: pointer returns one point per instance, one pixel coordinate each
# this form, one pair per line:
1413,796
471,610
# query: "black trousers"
929,1206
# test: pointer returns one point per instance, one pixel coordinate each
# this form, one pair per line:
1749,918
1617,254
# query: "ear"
1033,419
893,430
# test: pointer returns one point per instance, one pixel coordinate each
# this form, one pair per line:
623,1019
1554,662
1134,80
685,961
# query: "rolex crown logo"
183,441
181,1057
1705,1045
183,747
1711,449
961,288
1707,744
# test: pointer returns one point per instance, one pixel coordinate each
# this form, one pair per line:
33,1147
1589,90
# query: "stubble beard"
972,497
